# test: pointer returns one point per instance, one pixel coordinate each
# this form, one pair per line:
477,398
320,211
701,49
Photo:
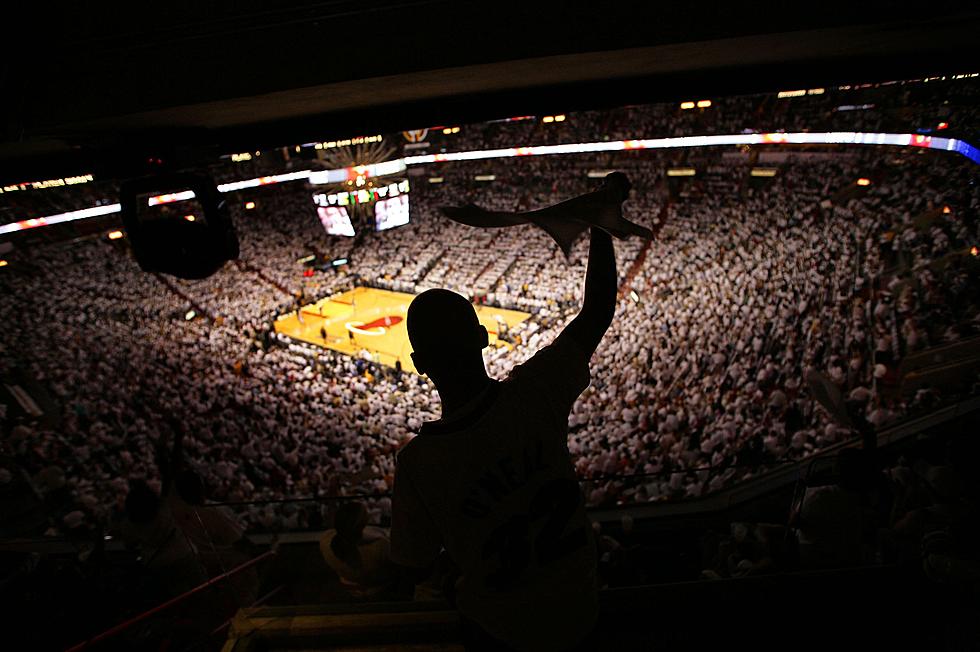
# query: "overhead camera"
178,224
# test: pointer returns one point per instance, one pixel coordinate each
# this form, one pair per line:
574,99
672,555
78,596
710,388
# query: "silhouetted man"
492,481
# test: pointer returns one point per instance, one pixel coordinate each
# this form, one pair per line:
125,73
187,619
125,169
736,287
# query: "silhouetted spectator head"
142,503
349,522
351,519
627,524
190,487
941,480
444,331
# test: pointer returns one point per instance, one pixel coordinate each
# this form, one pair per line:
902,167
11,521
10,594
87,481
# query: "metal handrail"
112,631
592,478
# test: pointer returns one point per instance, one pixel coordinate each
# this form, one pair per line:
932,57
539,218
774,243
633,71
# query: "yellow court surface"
372,320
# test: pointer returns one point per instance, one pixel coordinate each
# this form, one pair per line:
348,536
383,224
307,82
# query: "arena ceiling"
98,90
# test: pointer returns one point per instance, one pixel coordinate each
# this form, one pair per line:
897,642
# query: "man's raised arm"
599,304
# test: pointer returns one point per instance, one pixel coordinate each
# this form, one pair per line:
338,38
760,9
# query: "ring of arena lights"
388,167
354,327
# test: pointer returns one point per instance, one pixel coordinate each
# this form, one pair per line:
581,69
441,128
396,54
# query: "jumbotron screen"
335,220
389,213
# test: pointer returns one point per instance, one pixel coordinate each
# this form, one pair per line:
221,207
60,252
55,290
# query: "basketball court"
372,320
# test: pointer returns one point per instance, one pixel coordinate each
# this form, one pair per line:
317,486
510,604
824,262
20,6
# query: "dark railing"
123,626
583,480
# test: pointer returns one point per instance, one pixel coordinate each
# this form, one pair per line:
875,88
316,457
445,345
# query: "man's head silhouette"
446,335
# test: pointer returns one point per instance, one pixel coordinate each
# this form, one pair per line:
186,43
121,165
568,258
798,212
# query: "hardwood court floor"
373,320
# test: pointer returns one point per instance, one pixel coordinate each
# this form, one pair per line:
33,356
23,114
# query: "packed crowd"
745,293
698,383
